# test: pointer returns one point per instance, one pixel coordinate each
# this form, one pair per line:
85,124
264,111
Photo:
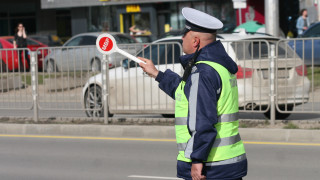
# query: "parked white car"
80,53
133,92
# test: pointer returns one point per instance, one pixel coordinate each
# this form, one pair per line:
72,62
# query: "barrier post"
105,85
272,85
34,84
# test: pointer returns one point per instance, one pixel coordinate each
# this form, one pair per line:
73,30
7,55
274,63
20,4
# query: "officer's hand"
149,67
196,170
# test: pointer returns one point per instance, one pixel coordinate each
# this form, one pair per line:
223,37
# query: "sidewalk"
153,132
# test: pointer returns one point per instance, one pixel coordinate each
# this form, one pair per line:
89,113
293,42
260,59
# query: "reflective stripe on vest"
223,118
181,120
227,145
228,161
217,143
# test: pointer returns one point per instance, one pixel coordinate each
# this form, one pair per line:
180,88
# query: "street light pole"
271,9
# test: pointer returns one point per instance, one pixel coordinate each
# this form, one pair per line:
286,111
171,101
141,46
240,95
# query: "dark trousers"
26,57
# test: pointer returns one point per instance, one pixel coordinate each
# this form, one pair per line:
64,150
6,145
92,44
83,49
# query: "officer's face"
190,43
187,44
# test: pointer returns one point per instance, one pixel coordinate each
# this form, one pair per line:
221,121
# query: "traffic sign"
107,45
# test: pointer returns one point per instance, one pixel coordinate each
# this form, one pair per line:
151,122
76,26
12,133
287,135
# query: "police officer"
206,110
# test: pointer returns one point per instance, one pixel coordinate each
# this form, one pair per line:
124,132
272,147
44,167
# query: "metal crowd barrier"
298,76
66,71
252,58
273,78
132,91
15,79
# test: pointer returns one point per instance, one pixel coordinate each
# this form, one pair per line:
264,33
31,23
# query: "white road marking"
152,177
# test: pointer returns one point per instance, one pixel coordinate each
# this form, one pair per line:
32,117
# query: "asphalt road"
66,159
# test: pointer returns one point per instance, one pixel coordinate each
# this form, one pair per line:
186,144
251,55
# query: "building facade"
66,18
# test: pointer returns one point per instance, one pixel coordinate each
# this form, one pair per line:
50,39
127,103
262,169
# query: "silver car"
80,53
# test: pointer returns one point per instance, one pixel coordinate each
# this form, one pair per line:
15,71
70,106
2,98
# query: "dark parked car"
309,49
50,40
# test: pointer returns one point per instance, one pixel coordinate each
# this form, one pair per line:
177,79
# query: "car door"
308,49
312,47
165,55
9,58
71,55
132,91
87,52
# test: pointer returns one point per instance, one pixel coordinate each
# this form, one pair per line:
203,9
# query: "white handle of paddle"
137,60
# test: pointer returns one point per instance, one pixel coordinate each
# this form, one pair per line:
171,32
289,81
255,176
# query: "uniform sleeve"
168,82
203,95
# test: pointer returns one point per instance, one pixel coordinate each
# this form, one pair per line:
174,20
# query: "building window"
101,19
221,9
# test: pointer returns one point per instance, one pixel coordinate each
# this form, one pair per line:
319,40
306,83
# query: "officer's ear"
196,42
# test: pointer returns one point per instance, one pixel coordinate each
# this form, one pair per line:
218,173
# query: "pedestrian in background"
302,22
206,98
20,41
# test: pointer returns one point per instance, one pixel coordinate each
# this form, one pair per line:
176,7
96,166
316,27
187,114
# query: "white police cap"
199,21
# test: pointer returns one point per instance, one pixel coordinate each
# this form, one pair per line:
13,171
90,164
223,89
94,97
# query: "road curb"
161,132
157,132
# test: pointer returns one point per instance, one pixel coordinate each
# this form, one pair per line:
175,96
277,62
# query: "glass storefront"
221,9
101,18
168,16
12,13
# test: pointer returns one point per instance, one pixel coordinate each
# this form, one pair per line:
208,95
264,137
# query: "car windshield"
314,31
31,42
121,39
44,40
246,50
160,54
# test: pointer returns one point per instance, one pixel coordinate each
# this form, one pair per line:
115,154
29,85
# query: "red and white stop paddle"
107,45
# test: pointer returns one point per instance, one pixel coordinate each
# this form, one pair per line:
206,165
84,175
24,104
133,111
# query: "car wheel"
51,67
93,102
96,65
3,66
280,115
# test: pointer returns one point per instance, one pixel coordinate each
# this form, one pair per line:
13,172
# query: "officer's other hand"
196,170
149,67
